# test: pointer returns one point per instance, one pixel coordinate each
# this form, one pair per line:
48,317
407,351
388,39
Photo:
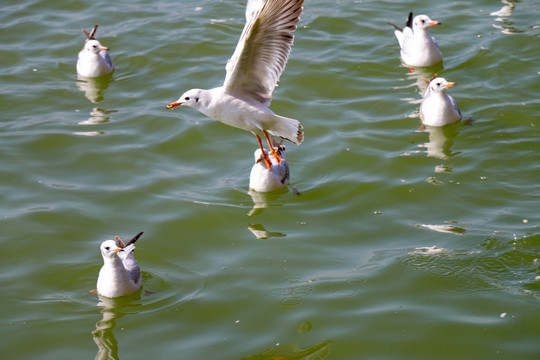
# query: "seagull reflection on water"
261,233
98,116
422,76
440,141
104,334
263,200
93,88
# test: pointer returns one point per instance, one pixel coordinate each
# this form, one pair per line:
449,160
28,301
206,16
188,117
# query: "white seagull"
264,180
120,274
94,60
439,108
252,74
418,47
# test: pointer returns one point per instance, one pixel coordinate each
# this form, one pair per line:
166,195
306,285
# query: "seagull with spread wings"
252,74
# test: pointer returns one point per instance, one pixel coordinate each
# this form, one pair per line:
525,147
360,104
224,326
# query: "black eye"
186,98
423,21
438,84
107,248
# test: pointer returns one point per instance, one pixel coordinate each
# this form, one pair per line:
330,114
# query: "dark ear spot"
196,99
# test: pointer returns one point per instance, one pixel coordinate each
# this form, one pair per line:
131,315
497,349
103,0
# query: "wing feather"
263,50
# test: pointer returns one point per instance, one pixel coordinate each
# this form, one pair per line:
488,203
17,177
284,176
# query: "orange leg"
272,150
265,156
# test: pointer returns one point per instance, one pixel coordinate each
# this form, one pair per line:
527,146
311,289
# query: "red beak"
434,23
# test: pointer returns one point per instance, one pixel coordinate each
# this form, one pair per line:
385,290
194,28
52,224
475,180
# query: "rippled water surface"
405,243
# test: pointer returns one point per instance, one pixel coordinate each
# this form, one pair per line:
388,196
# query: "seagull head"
440,85
109,249
423,22
190,98
94,46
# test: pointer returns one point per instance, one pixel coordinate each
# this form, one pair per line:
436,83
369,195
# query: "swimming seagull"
120,274
439,108
264,180
418,47
94,60
252,74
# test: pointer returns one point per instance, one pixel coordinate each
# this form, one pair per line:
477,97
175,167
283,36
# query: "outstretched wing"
263,49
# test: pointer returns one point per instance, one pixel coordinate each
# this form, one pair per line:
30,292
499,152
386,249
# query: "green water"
405,244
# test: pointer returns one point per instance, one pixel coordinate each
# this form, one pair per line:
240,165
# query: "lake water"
405,243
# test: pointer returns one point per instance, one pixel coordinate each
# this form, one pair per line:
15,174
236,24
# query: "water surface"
405,244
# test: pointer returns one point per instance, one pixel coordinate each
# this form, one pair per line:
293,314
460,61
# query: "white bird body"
242,113
438,108
418,47
94,59
264,180
120,274
252,74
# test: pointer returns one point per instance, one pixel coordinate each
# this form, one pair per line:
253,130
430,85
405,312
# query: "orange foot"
265,156
272,150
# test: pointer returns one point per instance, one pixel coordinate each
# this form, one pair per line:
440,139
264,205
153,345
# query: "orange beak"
450,84
103,48
118,249
173,104
434,23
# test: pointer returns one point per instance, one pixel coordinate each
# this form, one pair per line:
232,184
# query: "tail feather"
288,129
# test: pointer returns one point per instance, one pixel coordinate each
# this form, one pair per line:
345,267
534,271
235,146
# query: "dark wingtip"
93,33
410,20
395,27
135,238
